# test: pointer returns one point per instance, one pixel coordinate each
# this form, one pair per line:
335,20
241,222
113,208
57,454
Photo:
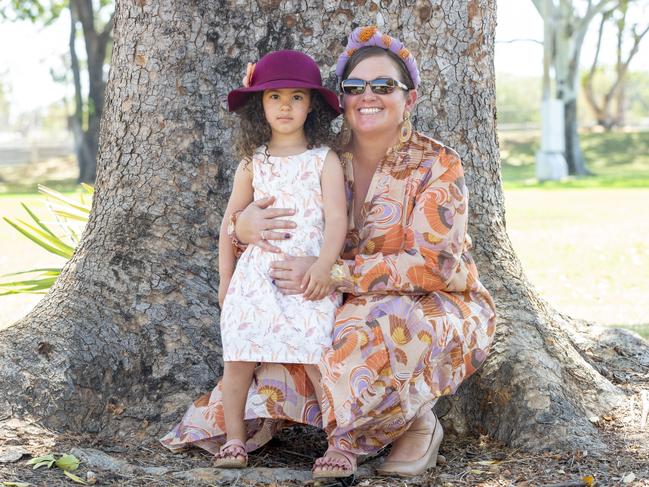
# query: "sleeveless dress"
258,322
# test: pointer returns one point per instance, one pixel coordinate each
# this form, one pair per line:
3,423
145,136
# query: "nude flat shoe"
413,468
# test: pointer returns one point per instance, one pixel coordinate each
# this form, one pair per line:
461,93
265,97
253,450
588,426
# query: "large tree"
128,335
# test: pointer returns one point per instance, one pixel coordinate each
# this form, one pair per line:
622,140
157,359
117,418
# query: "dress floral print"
414,324
258,323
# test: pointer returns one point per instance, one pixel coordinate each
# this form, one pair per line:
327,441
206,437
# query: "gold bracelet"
231,230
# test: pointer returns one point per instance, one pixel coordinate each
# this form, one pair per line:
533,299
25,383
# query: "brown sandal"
335,467
232,454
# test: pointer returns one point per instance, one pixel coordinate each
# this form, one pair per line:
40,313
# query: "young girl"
285,117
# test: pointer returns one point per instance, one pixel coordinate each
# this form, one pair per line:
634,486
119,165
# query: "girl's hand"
224,284
287,274
257,224
317,281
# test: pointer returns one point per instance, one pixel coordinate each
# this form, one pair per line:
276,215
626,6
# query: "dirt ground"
467,461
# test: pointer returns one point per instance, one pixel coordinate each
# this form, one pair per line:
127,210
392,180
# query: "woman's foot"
335,463
416,450
232,454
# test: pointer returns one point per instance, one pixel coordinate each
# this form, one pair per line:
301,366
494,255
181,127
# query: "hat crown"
288,66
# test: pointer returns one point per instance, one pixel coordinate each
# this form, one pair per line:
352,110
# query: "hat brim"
237,98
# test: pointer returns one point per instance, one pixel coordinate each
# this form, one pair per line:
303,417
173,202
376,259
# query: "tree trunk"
85,157
574,155
96,43
128,335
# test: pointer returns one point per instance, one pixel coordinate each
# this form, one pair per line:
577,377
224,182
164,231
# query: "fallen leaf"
76,479
15,484
628,478
45,460
67,462
487,462
589,480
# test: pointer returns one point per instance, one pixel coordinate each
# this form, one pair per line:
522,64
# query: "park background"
582,241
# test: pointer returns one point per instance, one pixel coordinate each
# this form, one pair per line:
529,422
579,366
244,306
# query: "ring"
263,234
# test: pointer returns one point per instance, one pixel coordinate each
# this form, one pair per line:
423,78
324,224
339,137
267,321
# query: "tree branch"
104,35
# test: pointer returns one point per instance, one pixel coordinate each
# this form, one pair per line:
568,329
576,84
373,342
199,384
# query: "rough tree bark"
128,335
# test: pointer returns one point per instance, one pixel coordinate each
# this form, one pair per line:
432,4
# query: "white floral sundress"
258,323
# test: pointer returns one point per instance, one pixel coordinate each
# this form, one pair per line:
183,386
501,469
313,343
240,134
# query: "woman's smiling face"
369,114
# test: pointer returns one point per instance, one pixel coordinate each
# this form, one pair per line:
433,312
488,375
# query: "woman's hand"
288,274
317,281
257,224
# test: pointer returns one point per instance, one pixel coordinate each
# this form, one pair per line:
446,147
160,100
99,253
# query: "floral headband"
372,36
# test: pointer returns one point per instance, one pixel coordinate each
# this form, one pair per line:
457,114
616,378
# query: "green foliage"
518,99
33,10
637,97
59,238
66,462
618,159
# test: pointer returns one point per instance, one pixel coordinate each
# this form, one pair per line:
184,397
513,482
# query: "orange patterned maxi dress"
415,322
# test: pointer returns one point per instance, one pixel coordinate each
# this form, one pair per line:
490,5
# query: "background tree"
566,23
96,22
603,108
4,105
128,336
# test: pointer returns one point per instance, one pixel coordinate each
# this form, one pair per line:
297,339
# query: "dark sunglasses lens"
353,86
382,86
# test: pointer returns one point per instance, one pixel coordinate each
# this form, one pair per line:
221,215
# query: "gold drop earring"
406,128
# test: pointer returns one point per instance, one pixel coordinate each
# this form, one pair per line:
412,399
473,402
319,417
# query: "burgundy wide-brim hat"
284,69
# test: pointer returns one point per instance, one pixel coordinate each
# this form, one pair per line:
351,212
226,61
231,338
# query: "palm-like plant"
70,216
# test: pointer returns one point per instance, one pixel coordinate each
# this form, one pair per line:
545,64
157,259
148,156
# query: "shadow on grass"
619,160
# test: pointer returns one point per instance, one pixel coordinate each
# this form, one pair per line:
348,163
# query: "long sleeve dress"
414,324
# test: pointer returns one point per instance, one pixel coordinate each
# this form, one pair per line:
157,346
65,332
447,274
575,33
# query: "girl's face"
369,114
286,109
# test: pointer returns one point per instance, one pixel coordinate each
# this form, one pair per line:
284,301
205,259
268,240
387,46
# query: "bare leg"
334,463
237,377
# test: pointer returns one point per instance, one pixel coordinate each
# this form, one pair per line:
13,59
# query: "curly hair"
254,130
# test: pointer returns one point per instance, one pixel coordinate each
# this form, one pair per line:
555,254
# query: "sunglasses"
379,86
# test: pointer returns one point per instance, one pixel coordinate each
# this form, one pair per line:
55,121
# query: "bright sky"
29,52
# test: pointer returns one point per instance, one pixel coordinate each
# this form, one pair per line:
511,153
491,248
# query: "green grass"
58,173
618,160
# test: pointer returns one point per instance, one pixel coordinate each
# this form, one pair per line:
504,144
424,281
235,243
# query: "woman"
415,322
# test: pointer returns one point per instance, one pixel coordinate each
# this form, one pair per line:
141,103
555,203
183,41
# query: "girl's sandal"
342,465
232,455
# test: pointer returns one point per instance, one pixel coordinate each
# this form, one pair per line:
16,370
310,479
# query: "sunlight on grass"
585,251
